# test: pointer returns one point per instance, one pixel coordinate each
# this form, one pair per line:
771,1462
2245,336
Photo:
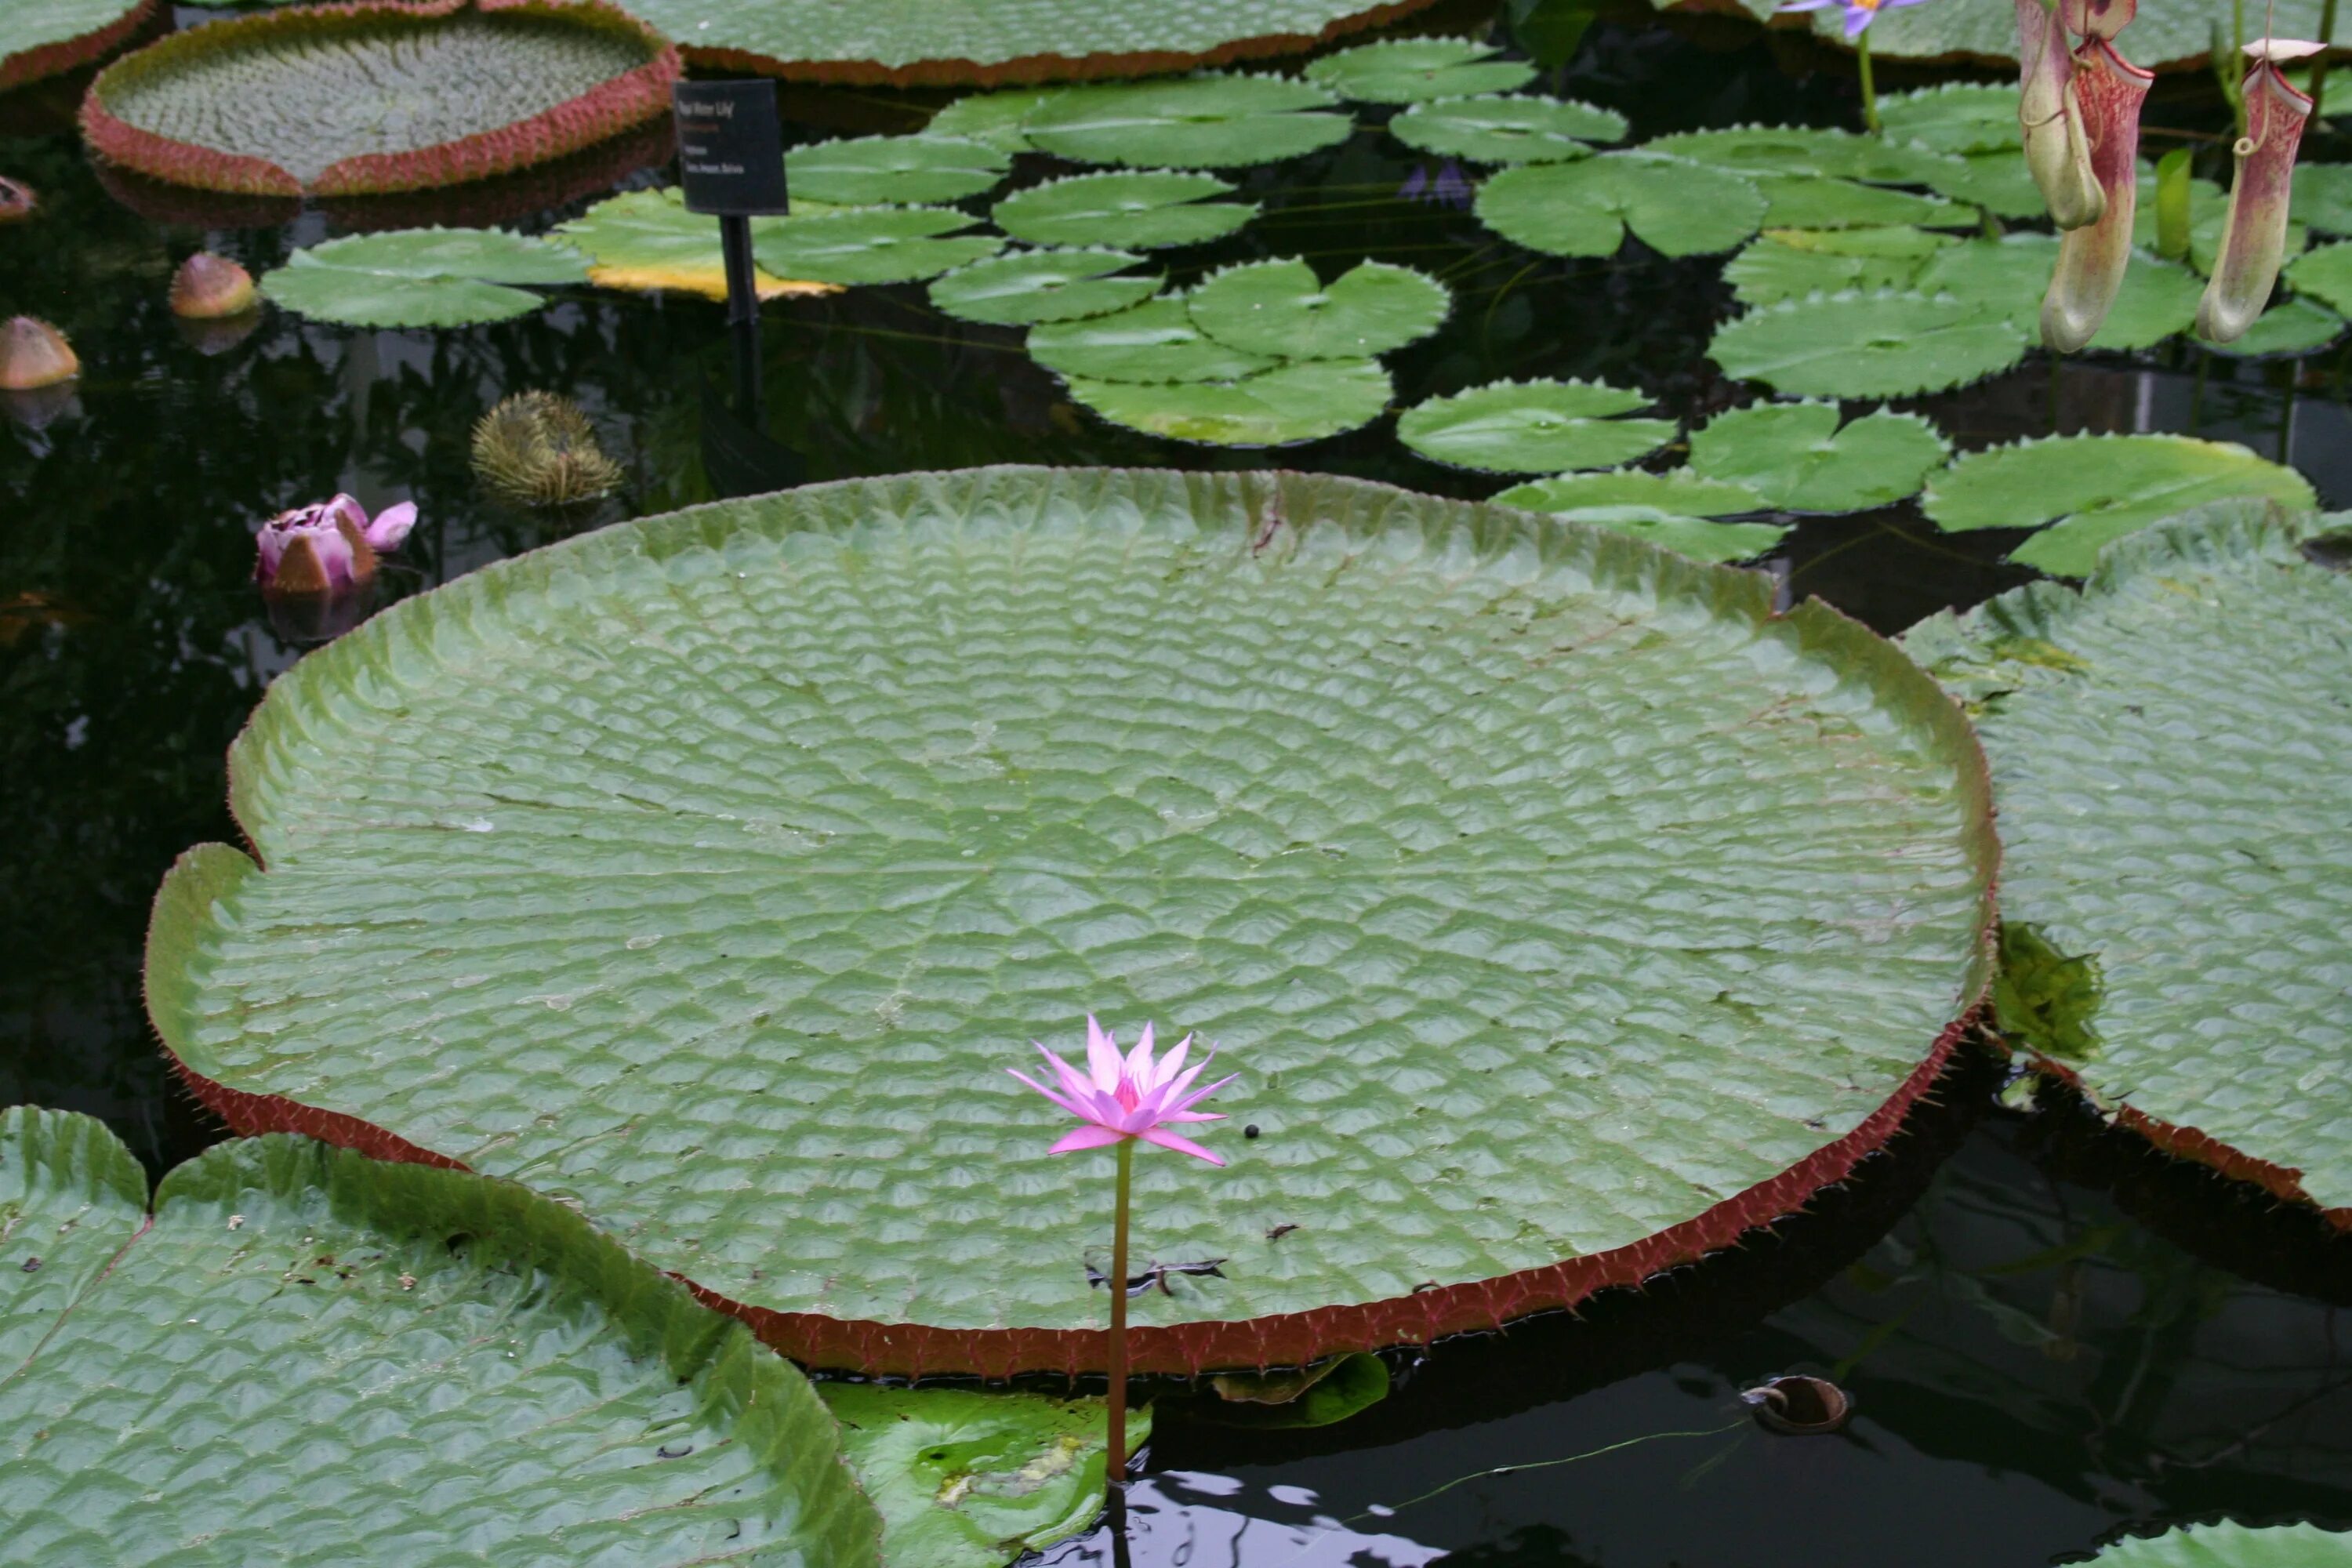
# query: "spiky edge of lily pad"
952,71
629,99
67,54
1290,1338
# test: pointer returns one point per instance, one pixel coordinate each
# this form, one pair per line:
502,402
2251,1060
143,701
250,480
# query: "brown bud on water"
2092,259
16,200
2253,240
35,354
209,288
2056,153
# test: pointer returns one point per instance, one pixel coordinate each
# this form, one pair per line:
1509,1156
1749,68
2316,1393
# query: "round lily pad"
870,245
1954,117
41,38
992,117
2325,274
2289,327
1999,182
2228,1545
1028,286
1867,345
1154,341
1214,120
422,278
1805,151
1585,208
902,171
1144,209
376,96
2157,300
1811,201
1507,130
1675,490
1413,70
2322,197
2171,749
1790,263
890,777
1534,427
2095,489
645,241
1797,456
1278,407
1280,308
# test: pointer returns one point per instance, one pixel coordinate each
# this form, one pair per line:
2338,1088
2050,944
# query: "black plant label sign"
730,147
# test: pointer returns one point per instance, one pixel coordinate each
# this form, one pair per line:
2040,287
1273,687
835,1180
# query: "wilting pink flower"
1129,1097
2093,259
2253,240
1859,13
328,546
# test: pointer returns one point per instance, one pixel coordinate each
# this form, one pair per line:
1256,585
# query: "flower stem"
1869,91
1115,1458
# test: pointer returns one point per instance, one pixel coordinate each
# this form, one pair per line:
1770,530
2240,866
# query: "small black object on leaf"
32,1266
1250,1130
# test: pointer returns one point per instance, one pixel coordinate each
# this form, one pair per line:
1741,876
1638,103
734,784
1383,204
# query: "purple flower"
1859,13
1449,187
1131,1096
328,546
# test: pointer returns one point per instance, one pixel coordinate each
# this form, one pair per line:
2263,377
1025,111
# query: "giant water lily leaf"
311,1356
421,277
40,39
1809,201
1498,129
1154,341
1030,286
2157,300
2097,489
888,778
1954,117
1980,31
1534,427
2325,274
2171,748
870,245
1790,263
1278,407
1797,456
377,97
1586,208
1675,490
1867,345
1795,150
646,242
1280,308
2322,196
1209,121
1144,209
1413,71
2228,1545
902,171
2289,327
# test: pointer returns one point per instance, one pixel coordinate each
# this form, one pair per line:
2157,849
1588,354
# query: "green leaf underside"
1145,209
1278,407
1954,117
1807,201
2289,327
396,86
1867,345
1789,264
1279,309
1675,490
30,24
314,1356
1798,150
2170,768
2097,489
1695,537
1413,71
1585,208
891,776
1031,286
1534,427
870,245
1796,456
875,171
2157,300
1207,121
1498,129
1154,341
2227,1545
422,278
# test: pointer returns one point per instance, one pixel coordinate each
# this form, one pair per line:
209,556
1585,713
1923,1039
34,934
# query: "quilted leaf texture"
308,1356
2171,749
2232,1545
1565,910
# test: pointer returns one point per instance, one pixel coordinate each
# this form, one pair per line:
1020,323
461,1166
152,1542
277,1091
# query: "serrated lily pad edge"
629,99
71,54
1272,496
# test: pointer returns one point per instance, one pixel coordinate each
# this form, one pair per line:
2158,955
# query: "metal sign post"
730,153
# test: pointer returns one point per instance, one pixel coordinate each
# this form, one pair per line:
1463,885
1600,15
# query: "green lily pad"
1215,120
646,242
2325,274
1675,490
2289,327
870,245
2227,1545
1281,309
1507,130
695,976
1144,210
1980,32
1999,182
1795,150
1790,263
1699,538
2097,489
1810,202
1278,407
1867,345
2171,758
1585,208
1534,427
313,1357
2322,196
2157,300
1954,117
422,278
1321,1395
1414,70
1798,457
899,171
1023,287
40,39
993,118
1155,341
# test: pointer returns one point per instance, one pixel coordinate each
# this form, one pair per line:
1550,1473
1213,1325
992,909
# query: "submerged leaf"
1321,1395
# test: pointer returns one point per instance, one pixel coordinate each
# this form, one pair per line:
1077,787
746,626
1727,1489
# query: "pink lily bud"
2097,18
35,354
209,288
2092,260
2254,238
2056,152
328,547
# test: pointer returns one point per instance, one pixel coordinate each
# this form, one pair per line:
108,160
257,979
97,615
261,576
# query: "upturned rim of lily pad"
72,54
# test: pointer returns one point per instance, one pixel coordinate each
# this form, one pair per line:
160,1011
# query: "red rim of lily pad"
70,54
625,101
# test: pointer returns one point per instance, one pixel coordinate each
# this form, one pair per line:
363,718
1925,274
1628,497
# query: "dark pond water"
2052,1335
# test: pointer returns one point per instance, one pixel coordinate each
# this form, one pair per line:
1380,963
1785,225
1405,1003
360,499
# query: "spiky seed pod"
538,450
209,288
35,354
16,200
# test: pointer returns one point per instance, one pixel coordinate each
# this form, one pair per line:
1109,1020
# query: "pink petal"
1165,1069
1049,1094
1102,1056
1088,1137
1167,1140
1198,1095
335,555
1074,1082
348,510
1193,1116
1137,1067
391,525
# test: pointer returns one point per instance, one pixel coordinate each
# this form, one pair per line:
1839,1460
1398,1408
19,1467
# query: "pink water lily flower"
328,546
1131,1096
1859,13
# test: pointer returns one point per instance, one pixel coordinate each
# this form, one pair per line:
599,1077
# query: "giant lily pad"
1281,308
2227,1545
1586,208
1278,407
2097,489
1512,130
1154,341
1797,456
44,38
902,170
1042,286
1210,121
1413,70
645,241
1143,209
1565,910
1868,345
1534,426
421,277
377,96
2172,748
870,245
1982,32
